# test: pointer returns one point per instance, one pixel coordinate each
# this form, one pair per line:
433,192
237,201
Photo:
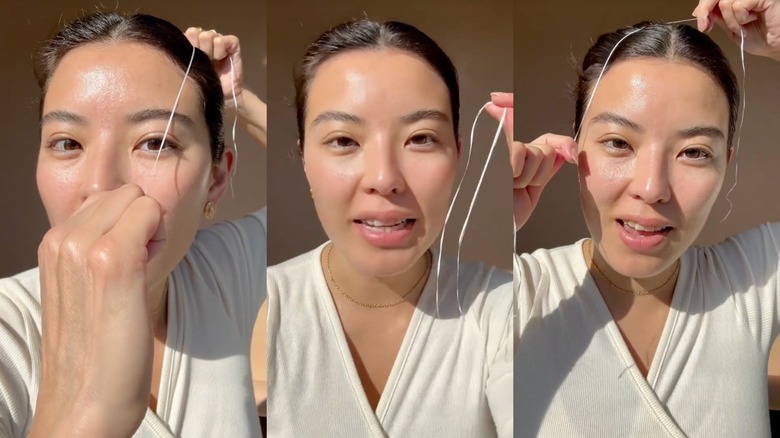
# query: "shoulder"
20,343
295,274
545,266
20,296
250,228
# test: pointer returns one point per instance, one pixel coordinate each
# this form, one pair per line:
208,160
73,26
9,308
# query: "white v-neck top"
452,376
574,374
214,295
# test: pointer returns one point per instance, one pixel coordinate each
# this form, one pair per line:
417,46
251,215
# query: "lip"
647,222
386,237
385,216
643,241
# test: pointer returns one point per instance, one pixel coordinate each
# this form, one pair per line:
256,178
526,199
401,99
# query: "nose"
650,180
382,172
102,170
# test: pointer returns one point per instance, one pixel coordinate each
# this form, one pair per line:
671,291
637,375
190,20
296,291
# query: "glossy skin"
372,152
108,150
652,151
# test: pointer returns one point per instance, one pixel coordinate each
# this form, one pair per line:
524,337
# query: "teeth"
379,223
638,227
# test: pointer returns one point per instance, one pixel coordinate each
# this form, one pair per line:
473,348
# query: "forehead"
113,75
661,89
383,79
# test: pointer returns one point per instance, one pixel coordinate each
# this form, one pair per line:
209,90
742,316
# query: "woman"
359,342
634,331
134,323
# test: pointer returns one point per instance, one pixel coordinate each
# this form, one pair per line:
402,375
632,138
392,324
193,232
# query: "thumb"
497,112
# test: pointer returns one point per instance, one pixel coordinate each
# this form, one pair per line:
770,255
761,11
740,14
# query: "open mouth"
644,230
385,226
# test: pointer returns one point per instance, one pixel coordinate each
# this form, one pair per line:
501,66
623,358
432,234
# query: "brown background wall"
547,35
478,38
23,24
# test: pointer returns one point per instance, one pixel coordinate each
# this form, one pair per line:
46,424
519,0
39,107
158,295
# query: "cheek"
181,189
332,179
433,183
59,191
602,180
697,194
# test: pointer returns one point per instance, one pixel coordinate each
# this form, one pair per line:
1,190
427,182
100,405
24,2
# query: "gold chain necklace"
377,306
627,291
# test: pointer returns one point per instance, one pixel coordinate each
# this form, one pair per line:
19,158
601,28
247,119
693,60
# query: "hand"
220,49
760,20
250,109
96,332
533,164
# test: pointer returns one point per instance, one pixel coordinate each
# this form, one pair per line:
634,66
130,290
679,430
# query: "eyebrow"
696,131
159,114
425,114
340,116
63,116
336,116
707,131
137,117
616,119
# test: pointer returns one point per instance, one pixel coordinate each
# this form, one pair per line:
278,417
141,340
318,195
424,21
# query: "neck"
157,306
661,285
371,290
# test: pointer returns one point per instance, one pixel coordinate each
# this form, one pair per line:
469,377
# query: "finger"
53,239
735,37
563,143
110,208
548,176
545,167
226,45
497,112
702,13
533,159
192,34
206,42
729,18
517,151
139,224
502,99
746,11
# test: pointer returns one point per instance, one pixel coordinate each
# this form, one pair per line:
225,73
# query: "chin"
639,266
378,262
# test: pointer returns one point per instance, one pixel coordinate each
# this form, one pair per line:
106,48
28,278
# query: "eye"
342,142
697,154
64,145
616,144
422,140
154,144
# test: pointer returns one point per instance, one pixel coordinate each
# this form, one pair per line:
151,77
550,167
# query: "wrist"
77,418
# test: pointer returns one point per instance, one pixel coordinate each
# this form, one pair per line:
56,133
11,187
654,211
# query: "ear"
459,145
730,155
220,174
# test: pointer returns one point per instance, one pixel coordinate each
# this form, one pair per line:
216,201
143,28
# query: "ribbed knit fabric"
206,387
574,375
452,376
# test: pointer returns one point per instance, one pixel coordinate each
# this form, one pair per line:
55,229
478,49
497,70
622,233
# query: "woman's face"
103,119
652,159
380,156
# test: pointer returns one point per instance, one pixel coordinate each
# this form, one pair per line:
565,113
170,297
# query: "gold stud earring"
210,210
311,192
